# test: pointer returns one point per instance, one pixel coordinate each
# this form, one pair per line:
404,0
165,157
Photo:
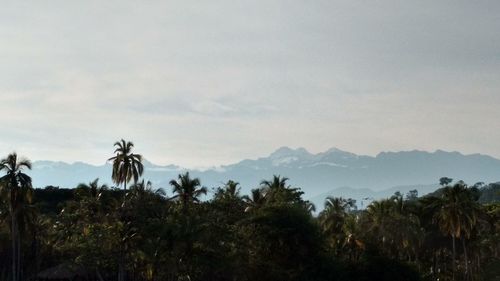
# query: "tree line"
135,232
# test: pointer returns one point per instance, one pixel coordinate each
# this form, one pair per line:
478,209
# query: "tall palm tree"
457,217
332,218
337,208
380,214
19,190
187,190
126,165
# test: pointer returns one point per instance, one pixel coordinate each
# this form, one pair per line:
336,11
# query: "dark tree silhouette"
19,190
126,165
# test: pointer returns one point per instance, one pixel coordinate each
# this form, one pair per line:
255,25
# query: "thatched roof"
63,272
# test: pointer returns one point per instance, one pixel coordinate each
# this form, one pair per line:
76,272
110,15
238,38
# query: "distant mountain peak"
286,151
334,150
283,149
302,150
147,163
335,154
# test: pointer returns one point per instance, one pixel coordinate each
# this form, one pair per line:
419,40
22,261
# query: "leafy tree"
412,195
269,234
283,243
445,181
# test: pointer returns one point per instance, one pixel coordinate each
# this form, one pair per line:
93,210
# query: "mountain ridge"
315,173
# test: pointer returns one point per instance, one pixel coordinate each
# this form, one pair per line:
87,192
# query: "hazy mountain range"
333,172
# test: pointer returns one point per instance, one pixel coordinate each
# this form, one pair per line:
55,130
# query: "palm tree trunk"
14,251
453,268
19,270
434,264
98,274
478,266
465,259
121,271
121,265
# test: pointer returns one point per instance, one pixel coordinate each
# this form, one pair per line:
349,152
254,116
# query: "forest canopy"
133,231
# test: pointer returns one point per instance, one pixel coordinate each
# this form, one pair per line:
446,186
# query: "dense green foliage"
270,234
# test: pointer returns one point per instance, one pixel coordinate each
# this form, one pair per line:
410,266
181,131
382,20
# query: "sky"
206,83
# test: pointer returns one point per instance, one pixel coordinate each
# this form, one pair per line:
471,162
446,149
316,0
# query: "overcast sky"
200,83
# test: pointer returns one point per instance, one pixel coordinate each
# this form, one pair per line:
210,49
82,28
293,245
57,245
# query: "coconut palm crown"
126,165
187,190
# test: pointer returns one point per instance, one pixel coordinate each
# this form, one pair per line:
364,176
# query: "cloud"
211,83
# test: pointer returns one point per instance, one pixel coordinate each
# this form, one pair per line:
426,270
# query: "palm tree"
187,190
337,207
255,200
310,207
332,218
92,189
379,215
278,192
353,246
229,191
94,199
445,181
232,189
276,183
126,165
144,192
457,217
19,189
